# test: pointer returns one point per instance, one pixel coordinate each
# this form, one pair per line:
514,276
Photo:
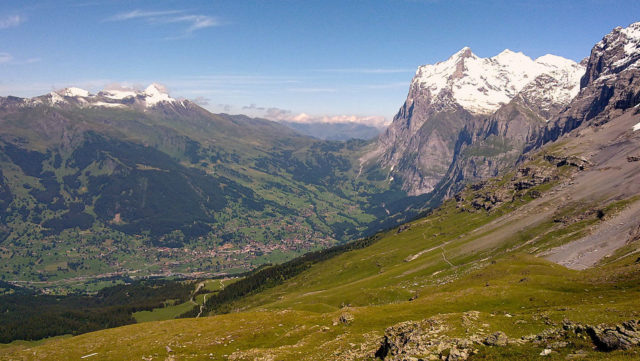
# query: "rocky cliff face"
610,85
497,104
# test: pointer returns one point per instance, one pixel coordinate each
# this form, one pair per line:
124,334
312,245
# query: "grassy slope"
454,261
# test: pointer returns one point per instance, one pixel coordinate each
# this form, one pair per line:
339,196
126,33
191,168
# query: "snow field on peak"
74,92
482,85
632,32
151,96
155,94
119,94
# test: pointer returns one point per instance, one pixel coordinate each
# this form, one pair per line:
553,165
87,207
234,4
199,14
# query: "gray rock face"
455,125
424,340
610,85
619,337
487,146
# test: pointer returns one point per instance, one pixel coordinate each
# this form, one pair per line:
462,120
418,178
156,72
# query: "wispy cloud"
366,70
196,21
278,114
11,21
204,101
5,58
312,90
193,22
137,14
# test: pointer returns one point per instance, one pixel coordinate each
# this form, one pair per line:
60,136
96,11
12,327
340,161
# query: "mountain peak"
156,93
155,89
73,92
110,97
482,85
464,53
617,51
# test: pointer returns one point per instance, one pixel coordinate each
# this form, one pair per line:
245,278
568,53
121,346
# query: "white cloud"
5,58
11,21
278,114
136,14
196,21
192,21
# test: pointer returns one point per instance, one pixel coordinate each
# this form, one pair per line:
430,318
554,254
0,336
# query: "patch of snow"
636,127
482,85
632,32
156,93
56,98
118,94
74,92
108,105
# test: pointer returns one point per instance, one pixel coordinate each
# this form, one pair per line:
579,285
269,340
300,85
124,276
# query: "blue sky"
317,57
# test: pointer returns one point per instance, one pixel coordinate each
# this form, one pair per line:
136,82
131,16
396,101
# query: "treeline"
267,277
26,315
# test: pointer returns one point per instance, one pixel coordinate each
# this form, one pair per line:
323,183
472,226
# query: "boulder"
496,339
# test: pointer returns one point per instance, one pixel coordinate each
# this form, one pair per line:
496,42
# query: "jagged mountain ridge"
419,145
610,85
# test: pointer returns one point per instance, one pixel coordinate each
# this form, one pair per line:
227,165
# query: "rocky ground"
424,340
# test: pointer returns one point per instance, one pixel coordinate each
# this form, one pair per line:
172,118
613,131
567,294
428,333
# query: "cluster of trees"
30,316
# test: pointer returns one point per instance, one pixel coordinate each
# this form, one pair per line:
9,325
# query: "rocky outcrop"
487,196
610,85
424,340
620,337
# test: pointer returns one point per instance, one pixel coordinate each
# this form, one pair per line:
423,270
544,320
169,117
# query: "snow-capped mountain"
152,96
444,98
617,51
610,86
482,85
